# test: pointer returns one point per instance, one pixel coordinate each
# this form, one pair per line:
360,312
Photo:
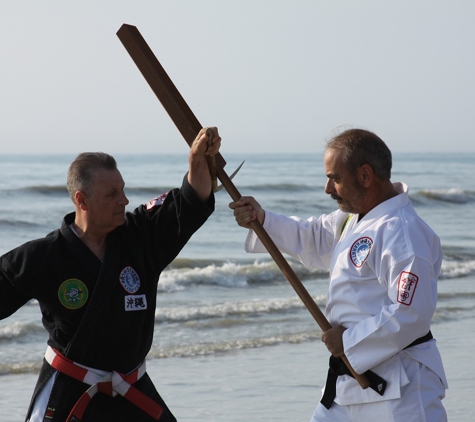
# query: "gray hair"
363,147
81,171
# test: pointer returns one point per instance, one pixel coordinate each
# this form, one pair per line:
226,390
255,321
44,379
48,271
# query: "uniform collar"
398,201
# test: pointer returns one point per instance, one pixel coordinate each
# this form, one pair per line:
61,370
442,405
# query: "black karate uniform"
106,318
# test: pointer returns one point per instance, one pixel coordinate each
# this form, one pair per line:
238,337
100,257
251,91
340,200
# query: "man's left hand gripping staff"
333,339
199,176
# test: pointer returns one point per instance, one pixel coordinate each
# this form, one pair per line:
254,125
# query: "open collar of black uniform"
78,247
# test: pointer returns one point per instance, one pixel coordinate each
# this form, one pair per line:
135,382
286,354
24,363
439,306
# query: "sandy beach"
264,384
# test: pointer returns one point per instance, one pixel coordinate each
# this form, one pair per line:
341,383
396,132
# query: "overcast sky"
273,75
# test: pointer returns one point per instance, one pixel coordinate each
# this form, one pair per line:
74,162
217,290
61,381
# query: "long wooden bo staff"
189,126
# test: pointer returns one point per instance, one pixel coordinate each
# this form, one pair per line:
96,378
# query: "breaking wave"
183,273
232,309
454,196
204,349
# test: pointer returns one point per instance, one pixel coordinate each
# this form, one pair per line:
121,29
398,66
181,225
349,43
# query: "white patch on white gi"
406,287
135,303
156,202
360,251
129,279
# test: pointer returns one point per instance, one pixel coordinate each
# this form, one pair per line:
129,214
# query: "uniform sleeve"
10,298
310,241
167,223
412,298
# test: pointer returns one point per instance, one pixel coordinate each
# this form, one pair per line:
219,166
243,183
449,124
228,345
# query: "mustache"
336,197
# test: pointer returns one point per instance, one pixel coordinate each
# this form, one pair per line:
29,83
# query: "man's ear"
366,175
80,199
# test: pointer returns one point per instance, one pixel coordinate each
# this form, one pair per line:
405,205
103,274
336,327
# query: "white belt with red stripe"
110,383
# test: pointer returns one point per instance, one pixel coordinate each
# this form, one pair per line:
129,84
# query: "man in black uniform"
96,279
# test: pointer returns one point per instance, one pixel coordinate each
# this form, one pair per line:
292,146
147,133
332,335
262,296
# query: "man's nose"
124,200
329,187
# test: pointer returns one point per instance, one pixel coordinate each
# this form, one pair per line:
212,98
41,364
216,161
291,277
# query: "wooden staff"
188,125
212,162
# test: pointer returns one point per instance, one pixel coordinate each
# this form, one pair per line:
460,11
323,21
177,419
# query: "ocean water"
233,341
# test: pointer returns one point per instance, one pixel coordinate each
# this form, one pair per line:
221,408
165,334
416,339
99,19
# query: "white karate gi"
383,290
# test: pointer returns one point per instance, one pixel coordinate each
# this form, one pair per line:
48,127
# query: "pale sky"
273,75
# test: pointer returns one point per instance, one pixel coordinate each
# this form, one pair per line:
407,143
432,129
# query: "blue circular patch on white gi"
360,251
129,279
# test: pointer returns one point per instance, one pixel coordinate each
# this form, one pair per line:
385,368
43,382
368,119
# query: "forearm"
206,144
199,177
309,241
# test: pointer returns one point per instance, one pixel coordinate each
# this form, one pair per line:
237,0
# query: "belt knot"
109,383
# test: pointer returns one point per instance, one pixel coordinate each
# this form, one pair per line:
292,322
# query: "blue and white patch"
156,202
129,279
135,303
360,251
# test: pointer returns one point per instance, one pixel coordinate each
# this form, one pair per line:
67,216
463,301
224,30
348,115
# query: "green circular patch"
73,293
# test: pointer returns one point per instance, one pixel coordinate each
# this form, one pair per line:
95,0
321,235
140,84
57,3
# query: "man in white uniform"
384,261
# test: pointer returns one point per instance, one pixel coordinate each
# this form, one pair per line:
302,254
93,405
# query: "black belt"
338,367
420,340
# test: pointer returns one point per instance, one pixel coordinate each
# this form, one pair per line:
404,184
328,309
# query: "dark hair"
80,173
363,147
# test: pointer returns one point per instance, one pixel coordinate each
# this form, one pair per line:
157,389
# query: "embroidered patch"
406,287
135,303
129,279
360,251
73,293
156,202
49,414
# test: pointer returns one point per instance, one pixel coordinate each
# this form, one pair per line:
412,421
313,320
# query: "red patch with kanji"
406,287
